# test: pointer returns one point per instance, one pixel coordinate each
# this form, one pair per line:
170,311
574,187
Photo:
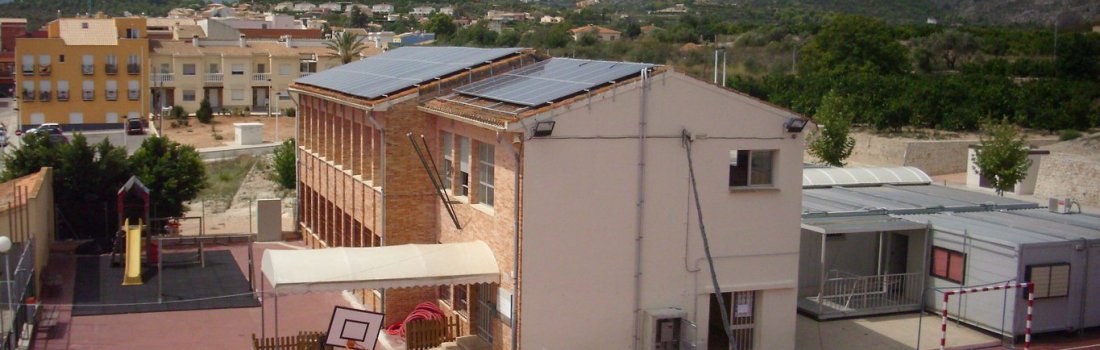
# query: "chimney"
241,41
99,14
195,40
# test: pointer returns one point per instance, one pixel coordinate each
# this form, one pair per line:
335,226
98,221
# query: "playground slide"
133,254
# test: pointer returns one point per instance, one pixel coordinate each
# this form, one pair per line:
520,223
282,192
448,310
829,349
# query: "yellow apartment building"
88,73
234,74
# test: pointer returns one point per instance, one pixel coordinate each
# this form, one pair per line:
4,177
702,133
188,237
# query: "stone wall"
1065,175
935,157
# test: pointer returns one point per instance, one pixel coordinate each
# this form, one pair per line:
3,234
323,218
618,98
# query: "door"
741,308
214,96
897,253
486,310
259,98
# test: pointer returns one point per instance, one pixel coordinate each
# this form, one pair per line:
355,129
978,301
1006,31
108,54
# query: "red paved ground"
200,329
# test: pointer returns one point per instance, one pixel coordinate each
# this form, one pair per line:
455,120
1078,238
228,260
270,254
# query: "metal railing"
162,77
110,68
87,69
133,68
213,77
89,95
62,95
45,69
848,294
20,286
111,95
133,95
44,95
28,95
261,76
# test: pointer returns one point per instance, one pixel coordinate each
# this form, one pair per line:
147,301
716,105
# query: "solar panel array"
400,69
550,80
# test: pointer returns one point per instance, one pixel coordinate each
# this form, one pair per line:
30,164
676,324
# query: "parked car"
3,136
53,130
135,127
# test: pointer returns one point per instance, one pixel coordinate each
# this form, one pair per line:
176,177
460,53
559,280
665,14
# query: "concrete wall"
580,219
1064,175
33,221
931,156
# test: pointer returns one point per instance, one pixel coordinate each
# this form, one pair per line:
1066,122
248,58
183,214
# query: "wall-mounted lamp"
544,128
795,125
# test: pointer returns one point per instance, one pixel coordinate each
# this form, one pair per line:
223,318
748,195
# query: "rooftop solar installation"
550,80
401,68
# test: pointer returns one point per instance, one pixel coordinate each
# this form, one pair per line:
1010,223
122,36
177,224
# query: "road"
8,117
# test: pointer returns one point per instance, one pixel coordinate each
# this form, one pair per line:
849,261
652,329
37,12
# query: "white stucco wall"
579,202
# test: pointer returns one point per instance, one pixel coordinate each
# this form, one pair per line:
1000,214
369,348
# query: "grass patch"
223,178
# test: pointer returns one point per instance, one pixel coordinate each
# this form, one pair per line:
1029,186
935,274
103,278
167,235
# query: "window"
307,66
751,168
112,90
44,64
284,69
463,166
486,163
76,118
165,68
132,33
133,64
189,95
83,25
28,64
112,117
188,69
261,68
448,148
87,65
1051,280
28,91
62,90
462,300
61,58
445,294
111,66
132,91
948,264
237,69
237,94
44,90
214,68
89,90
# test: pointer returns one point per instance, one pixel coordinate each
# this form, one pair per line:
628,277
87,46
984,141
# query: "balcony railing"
110,68
87,69
28,70
62,95
45,69
133,95
111,95
162,77
213,77
261,76
133,68
89,95
847,295
28,95
302,74
44,95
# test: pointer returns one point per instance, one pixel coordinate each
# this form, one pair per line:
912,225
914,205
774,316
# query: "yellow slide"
133,254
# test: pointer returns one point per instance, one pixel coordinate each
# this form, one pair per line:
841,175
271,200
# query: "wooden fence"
302,341
428,334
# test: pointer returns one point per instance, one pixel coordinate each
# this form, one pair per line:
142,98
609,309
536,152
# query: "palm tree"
345,45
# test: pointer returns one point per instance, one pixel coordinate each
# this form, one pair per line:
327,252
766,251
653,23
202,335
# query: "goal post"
1028,286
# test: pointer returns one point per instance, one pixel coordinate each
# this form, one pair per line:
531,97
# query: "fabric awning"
860,224
410,265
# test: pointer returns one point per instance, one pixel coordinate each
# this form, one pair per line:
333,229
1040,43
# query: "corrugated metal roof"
550,80
904,199
860,224
824,177
1012,228
401,68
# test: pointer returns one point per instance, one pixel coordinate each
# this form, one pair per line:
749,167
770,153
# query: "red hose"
424,311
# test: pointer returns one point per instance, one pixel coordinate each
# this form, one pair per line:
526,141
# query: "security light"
795,125
544,128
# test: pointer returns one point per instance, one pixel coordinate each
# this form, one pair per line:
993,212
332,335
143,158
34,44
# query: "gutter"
517,152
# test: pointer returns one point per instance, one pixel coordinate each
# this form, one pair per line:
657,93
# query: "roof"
550,80
32,183
401,68
1012,228
901,199
168,22
401,266
824,177
860,224
99,31
273,48
277,33
599,29
188,31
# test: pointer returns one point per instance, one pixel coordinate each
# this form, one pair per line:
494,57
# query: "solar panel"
550,80
400,69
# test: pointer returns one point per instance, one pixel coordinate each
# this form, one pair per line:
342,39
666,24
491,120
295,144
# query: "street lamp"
5,246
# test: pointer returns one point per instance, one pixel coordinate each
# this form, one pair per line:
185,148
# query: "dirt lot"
233,217
201,136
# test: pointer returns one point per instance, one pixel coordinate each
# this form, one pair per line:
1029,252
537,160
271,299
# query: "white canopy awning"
410,265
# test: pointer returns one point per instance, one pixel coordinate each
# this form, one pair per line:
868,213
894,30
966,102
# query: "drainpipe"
517,152
297,160
639,228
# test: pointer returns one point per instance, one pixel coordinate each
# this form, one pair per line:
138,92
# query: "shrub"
285,163
290,112
177,112
1069,134
205,114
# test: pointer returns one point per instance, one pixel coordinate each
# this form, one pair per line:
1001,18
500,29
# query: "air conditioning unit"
1061,205
663,329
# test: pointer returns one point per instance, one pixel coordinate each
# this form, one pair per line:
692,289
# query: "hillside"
1074,13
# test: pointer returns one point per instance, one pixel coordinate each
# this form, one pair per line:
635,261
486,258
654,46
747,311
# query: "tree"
345,45
831,142
37,152
1079,57
173,173
285,161
1002,158
950,45
853,44
205,114
356,18
442,25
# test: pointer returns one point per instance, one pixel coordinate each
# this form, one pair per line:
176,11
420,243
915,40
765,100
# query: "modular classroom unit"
865,251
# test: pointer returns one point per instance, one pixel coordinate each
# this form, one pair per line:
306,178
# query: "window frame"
486,161
947,269
194,69
1041,293
183,96
447,146
461,304
236,69
464,167
735,156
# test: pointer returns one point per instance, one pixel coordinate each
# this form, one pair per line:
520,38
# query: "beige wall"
36,219
1063,175
579,203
